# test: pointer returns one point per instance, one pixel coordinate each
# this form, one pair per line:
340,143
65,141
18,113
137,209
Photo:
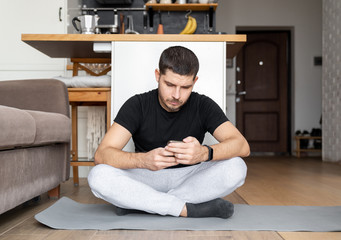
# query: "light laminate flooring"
270,181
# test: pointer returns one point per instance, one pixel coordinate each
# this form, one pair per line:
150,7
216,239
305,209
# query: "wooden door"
262,91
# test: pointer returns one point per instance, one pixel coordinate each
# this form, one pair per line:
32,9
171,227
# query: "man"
178,178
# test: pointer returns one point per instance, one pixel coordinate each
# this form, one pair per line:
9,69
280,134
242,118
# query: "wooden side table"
298,146
85,97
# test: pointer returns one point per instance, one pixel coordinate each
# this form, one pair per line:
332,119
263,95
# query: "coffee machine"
88,23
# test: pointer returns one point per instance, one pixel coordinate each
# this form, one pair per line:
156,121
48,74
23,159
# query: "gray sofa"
35,130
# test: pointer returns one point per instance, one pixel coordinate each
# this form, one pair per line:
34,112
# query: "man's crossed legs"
168,191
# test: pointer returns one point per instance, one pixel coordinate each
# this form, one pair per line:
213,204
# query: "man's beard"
167,104
177,104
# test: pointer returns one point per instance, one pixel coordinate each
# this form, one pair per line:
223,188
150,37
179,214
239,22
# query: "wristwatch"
210,153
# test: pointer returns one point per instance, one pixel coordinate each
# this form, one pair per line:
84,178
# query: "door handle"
60,14
240,94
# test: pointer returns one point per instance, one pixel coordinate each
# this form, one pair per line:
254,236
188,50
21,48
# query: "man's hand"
158,159
188,152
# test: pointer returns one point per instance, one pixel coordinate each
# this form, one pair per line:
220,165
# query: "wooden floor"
270,181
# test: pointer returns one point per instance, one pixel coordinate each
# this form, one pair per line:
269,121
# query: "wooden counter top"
81,45
135,37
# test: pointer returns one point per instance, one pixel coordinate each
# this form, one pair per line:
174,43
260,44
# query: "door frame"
290,82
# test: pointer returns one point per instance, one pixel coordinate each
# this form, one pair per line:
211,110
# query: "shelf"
298,145
181,7
81,163
309,150
307,137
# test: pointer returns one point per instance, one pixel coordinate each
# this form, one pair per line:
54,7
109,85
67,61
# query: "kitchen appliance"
88,23
108,28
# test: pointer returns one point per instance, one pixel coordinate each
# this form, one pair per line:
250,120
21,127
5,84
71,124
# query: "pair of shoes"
303,142
317,132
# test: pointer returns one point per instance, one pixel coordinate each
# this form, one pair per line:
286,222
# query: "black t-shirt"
152,126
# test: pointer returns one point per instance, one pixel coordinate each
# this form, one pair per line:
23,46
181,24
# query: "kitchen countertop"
81,45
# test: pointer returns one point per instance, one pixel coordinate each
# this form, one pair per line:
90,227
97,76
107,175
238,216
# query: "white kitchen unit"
133,65
17,59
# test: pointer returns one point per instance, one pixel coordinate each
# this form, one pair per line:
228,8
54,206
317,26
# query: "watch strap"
210,153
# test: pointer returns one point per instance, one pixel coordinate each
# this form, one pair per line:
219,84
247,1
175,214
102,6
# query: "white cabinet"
19,60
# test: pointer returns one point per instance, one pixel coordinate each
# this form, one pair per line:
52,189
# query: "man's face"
174,89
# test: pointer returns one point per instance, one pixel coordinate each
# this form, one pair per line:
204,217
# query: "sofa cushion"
18,128
51,127
26,128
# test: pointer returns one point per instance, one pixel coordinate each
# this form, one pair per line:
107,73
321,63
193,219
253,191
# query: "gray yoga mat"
68,214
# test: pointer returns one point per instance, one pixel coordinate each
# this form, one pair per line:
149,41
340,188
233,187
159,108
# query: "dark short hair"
180,60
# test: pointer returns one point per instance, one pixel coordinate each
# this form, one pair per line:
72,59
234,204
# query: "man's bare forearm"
231,148
118,158
154,160
231,143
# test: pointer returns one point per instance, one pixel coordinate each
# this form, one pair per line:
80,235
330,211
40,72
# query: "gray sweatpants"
166,191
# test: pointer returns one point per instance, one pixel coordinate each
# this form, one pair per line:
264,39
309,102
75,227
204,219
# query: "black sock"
215,208
123,211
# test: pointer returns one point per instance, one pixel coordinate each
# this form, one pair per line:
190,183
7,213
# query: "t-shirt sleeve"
212,115
129,114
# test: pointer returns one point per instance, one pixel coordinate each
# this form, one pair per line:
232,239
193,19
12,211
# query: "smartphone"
173,141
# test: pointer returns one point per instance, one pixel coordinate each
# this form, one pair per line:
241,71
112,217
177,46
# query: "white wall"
305,18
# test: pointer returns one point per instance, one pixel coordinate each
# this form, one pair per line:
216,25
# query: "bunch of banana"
190,27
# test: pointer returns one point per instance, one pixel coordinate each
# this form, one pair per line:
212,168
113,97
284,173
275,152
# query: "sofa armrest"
47,95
